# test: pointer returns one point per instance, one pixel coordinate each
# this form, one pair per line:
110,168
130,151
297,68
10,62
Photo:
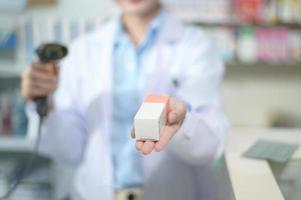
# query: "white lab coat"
183,64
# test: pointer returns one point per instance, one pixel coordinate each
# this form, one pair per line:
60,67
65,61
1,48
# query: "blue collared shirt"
128,66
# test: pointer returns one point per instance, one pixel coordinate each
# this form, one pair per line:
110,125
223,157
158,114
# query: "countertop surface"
251,178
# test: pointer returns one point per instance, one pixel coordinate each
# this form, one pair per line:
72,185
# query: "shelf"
15,144
4,73
240,24
264,64
11,69
265,70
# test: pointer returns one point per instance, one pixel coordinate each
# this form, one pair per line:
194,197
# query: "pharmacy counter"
254,179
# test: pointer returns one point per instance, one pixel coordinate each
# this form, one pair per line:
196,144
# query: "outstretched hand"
175,117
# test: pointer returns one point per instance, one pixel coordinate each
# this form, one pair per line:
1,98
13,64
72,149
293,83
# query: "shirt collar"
121,36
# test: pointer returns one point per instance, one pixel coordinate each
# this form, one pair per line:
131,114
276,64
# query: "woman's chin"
137,7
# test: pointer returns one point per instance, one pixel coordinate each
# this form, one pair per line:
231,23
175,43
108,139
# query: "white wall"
260,97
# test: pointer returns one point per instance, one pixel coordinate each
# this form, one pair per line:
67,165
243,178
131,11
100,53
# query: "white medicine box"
151,118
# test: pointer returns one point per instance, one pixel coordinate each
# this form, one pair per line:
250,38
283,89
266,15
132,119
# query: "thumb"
172,117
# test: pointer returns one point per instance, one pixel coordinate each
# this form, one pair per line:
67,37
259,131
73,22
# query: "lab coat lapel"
96,167
102,60
158,70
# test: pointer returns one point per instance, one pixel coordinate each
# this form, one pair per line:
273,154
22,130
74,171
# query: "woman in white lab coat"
183,63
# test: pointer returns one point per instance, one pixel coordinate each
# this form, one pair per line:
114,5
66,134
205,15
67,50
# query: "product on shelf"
294,45
6,118
289,11
257,44
13,120
246,45
8,44
272,44
224,39
249,10
285,11
269,11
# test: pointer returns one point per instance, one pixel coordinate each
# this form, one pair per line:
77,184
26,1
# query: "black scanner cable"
28,165
50,52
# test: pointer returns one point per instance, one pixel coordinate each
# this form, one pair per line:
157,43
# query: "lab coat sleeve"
64,133
201,138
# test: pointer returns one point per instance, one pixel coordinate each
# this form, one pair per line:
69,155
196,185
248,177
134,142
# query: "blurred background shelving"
252,36
262,36
235,23
15,144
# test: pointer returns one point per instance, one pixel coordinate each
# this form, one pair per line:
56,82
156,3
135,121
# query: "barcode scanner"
47,53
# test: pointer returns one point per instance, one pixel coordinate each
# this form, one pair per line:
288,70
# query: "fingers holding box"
156,122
